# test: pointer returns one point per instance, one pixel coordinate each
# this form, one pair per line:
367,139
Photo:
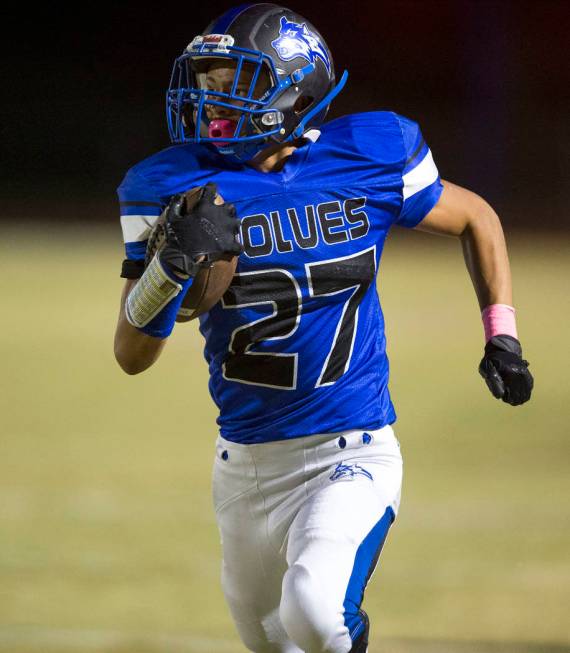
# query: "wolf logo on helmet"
296,40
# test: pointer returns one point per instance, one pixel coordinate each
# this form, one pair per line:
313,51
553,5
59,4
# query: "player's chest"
296,229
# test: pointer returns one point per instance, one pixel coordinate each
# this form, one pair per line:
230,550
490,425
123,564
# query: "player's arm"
135,351
440,207
464,214
150,303
194,238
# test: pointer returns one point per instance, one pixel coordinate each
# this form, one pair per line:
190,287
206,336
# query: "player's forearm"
134,351
486,258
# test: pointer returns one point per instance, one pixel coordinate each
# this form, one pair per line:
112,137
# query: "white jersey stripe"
137,227
424,174
312,135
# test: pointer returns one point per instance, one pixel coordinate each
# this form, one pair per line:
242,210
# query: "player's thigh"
334,543
252,577
252,571
358,485
340,528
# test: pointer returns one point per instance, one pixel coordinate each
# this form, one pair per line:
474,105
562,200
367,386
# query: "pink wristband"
499,319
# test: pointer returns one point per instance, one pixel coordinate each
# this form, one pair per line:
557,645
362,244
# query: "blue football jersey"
296,346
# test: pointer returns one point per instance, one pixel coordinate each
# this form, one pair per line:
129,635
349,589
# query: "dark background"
487,81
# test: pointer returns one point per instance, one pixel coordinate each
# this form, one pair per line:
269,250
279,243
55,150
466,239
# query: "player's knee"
256,640
298,612
306,613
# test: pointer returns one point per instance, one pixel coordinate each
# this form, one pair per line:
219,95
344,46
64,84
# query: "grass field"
107,536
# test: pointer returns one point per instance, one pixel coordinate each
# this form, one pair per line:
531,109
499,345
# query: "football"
208,287
210,283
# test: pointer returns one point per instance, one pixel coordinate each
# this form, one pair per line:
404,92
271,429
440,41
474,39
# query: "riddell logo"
211,43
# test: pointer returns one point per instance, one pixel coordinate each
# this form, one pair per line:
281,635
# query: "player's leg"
252,570
334,544
324,584
252,588
360,643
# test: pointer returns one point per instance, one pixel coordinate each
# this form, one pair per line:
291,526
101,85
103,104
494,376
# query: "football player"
308,470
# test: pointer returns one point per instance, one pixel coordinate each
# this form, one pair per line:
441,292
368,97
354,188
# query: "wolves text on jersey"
328,222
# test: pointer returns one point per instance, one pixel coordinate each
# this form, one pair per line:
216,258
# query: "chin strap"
329,97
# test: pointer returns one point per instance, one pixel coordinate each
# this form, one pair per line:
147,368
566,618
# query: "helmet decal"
296,40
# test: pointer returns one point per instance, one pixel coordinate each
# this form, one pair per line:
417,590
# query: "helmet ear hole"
302,104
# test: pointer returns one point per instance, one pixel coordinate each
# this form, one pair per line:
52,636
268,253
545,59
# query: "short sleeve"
140,207
422,186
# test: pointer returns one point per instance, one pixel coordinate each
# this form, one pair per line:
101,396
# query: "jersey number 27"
281,290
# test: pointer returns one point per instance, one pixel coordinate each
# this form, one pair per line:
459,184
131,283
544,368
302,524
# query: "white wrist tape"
152,293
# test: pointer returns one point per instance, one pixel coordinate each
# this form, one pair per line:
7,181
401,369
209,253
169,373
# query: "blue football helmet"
263,42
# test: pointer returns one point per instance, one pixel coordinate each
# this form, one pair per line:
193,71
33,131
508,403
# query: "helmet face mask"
257,120
283,81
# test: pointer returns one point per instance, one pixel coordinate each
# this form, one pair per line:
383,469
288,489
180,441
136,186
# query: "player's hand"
198,236
505,371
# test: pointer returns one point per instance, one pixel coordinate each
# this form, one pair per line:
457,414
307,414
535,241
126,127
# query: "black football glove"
207,230
505,372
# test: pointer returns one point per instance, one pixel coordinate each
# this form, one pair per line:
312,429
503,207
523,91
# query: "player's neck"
274,157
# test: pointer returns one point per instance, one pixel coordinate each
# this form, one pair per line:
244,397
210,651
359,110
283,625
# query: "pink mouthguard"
221,128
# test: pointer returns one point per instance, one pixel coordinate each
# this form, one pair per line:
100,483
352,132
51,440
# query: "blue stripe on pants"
364,563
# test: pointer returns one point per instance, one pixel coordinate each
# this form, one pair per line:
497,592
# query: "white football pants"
302,523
